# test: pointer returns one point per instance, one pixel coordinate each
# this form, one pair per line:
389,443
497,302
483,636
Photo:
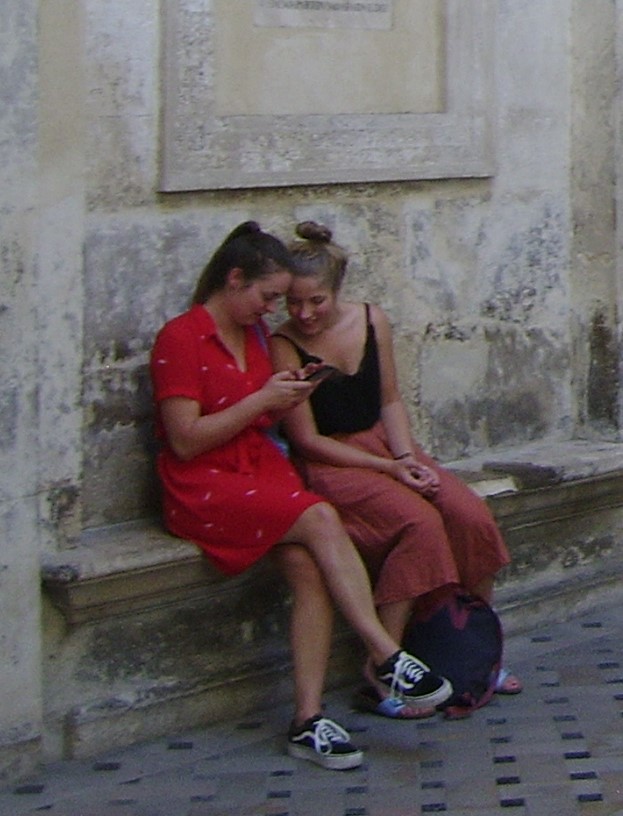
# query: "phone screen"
321,373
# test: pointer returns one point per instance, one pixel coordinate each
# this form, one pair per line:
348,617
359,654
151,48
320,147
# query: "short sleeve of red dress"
175,363
238,500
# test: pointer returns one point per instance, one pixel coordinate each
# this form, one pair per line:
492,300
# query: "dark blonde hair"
317,256
248,248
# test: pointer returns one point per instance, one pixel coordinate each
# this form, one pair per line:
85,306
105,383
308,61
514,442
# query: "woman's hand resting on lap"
419,477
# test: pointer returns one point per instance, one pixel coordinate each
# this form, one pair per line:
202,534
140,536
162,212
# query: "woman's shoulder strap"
305,356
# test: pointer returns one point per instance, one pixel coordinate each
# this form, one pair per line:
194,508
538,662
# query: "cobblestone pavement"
554,750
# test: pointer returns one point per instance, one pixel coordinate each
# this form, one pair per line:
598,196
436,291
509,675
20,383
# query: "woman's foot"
508,683
324,742
370,699
411,681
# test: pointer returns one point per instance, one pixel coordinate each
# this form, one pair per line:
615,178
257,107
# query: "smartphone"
321,373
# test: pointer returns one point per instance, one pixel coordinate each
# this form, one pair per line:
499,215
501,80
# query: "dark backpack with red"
460,637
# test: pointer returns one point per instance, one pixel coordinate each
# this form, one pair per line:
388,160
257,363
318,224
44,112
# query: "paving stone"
555,749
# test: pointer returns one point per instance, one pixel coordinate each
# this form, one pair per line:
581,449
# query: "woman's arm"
393,412
303,435
302,432
190,434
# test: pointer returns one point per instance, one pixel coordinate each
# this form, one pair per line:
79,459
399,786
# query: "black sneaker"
412,681
324,742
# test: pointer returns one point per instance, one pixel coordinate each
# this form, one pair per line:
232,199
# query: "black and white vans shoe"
409,679
324,742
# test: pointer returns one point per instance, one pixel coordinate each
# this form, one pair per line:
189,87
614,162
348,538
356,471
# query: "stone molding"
201,150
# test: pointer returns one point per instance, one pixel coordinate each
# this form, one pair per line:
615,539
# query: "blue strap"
273,432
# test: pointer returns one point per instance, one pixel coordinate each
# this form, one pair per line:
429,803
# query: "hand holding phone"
321,373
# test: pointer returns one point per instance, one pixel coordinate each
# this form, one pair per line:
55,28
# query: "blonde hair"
316,255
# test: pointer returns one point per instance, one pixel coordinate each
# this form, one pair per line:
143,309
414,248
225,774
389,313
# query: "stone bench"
144,638
126,569
563,524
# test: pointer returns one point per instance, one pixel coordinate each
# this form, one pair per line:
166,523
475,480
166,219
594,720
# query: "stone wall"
20,700
502,289
476,275
595,307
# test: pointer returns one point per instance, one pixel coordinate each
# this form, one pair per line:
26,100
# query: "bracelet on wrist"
402,456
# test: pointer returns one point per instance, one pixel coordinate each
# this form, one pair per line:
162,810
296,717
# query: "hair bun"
246,228
312,231
250,226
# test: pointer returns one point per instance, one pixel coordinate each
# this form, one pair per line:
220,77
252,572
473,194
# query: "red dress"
235,501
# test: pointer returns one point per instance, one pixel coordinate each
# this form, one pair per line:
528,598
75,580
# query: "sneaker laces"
406,667
326,732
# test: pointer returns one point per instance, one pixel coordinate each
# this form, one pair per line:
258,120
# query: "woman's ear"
235,279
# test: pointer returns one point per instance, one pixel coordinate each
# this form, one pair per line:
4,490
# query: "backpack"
460,637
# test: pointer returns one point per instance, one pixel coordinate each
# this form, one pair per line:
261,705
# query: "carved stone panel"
263,93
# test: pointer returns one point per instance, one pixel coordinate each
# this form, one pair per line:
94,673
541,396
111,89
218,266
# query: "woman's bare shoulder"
378,316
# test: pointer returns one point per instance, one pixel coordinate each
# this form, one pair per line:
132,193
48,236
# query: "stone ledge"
126,568
135,567
564,529
139,566
547,462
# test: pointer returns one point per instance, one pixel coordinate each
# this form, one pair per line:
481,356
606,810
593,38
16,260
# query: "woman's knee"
427,523
321,520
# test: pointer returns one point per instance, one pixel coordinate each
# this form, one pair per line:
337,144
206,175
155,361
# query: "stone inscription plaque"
260,93
370,14
312,63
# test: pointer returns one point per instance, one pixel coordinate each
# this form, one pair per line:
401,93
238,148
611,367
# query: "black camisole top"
347,403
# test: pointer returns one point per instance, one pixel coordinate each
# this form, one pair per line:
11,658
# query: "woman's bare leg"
394,617
485,589
311,627
320,531
508,682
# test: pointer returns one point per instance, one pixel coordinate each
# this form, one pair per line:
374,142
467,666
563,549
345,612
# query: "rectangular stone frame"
202,151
